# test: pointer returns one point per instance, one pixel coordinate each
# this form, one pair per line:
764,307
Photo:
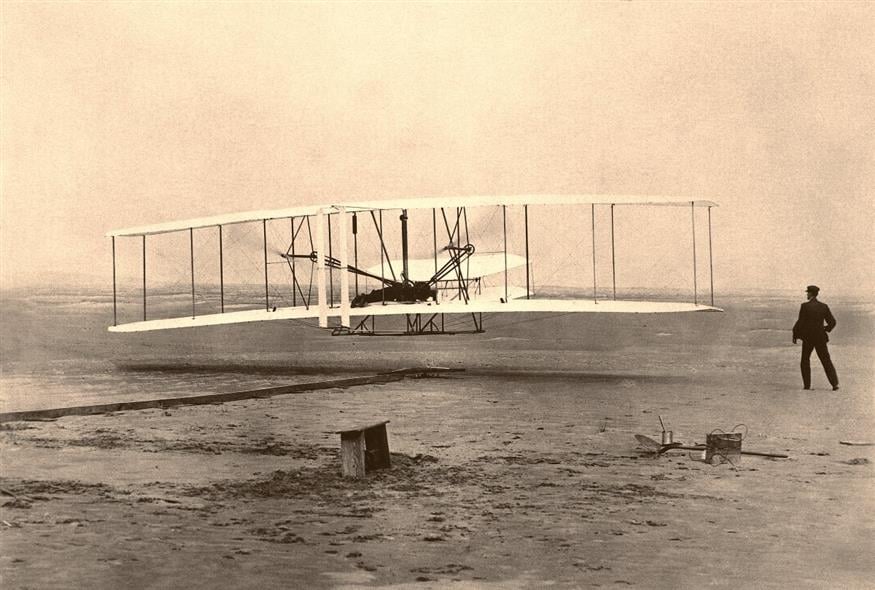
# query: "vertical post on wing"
458,232
710,257
594,289
114,304
312,249
405,273
266,292
294,278
695,277
191,250
613,257
320,269
504,229
382,251
468,260
221,274
434,236
330,269
434,240
144,277
344,270
526,222
355,248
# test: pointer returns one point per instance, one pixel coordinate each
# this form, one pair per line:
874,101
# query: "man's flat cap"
812,289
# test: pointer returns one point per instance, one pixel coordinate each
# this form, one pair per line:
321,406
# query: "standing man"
815,320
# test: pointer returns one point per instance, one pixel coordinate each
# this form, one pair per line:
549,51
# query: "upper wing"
229,219
511,200
417,203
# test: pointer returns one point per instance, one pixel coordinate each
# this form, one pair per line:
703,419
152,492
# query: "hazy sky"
120,114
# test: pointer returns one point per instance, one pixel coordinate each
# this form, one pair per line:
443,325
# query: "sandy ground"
518,473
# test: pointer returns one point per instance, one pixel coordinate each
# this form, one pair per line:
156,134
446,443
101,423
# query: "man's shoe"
835,387
806,388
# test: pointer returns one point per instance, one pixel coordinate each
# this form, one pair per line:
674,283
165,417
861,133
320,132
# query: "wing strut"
221,274
526,222
695,277
434,237
266,292
405,270
291,249
144,277
191,249
330,270
710,257
344,275
320,269
594,287
383,253
613,258
355,248
114,303
504,227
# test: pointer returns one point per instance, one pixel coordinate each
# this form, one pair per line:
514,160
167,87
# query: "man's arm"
796,325
830,320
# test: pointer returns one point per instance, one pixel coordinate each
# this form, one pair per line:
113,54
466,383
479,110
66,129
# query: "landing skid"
417,324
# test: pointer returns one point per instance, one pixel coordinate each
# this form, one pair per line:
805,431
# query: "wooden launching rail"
219,398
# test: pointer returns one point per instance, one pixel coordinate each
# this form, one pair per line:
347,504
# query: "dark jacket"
810,326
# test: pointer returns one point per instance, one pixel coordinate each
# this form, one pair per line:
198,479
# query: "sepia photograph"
425,295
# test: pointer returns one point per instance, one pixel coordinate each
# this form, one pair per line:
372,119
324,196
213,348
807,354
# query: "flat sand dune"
521,472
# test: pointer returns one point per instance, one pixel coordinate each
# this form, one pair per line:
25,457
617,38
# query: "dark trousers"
823,355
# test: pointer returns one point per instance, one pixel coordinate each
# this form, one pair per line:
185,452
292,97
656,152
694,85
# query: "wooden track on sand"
219,398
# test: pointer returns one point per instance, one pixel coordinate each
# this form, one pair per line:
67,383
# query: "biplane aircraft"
438,270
